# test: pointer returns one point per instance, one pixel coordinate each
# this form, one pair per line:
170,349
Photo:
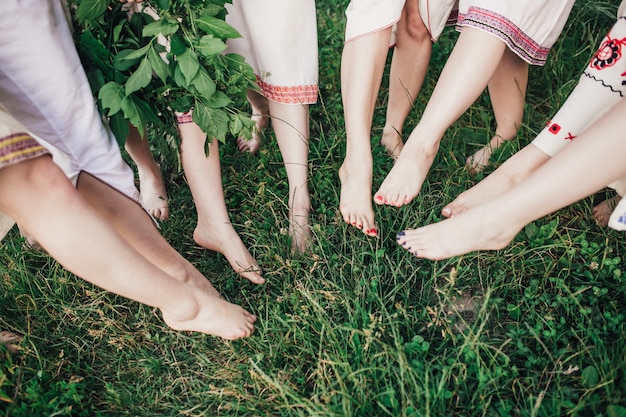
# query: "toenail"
401,233
379,197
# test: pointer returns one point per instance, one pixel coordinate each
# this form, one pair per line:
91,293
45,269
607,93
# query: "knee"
415,28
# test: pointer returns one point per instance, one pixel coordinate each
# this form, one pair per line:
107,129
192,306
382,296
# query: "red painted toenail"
379,197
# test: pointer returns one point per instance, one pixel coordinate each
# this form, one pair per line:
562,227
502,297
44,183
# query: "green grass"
358,327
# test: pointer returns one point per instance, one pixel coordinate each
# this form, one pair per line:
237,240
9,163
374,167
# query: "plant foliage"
147,60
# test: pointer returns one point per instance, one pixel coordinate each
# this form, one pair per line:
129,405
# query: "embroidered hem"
184,118
297,94
19,147
519,42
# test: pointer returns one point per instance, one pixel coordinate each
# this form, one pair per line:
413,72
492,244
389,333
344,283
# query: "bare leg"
507,89
85,244
588,164
260,112
214,230
291,126
517,168
597,91
362,65
151,186
135,226
409,64
469,68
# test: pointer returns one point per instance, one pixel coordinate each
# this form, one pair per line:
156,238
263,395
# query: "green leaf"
91,9
210,46
548,230
531,231
236,125
119,127
117,31
130,112
214,122
127,58
616,411
589,377
218,100
203,83
136,53
213,9
140,78
159,67
217,27
165,27
177,44
111,96
179,78
163,4
189,65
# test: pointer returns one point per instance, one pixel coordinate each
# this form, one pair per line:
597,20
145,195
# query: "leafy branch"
143,66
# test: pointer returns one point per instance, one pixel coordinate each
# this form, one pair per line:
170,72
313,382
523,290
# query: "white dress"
279,41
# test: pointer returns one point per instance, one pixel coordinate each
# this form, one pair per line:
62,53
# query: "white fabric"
435,15
45,87
368,16
599,88
279,41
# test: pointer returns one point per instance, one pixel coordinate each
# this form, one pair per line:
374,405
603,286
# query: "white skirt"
279,41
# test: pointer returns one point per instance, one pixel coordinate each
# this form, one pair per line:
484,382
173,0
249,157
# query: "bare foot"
251,145
355,203
299,228
477,162
10,340
603,210
153,195
405,179
222,238
392,141
215,316
469,231
480,160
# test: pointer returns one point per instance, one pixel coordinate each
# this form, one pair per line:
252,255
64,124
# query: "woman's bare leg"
84,243
214,230
507,89
599,88
151,186
291,126
465,76
131,221
586,165
260,112
513,171
362,64
409,64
